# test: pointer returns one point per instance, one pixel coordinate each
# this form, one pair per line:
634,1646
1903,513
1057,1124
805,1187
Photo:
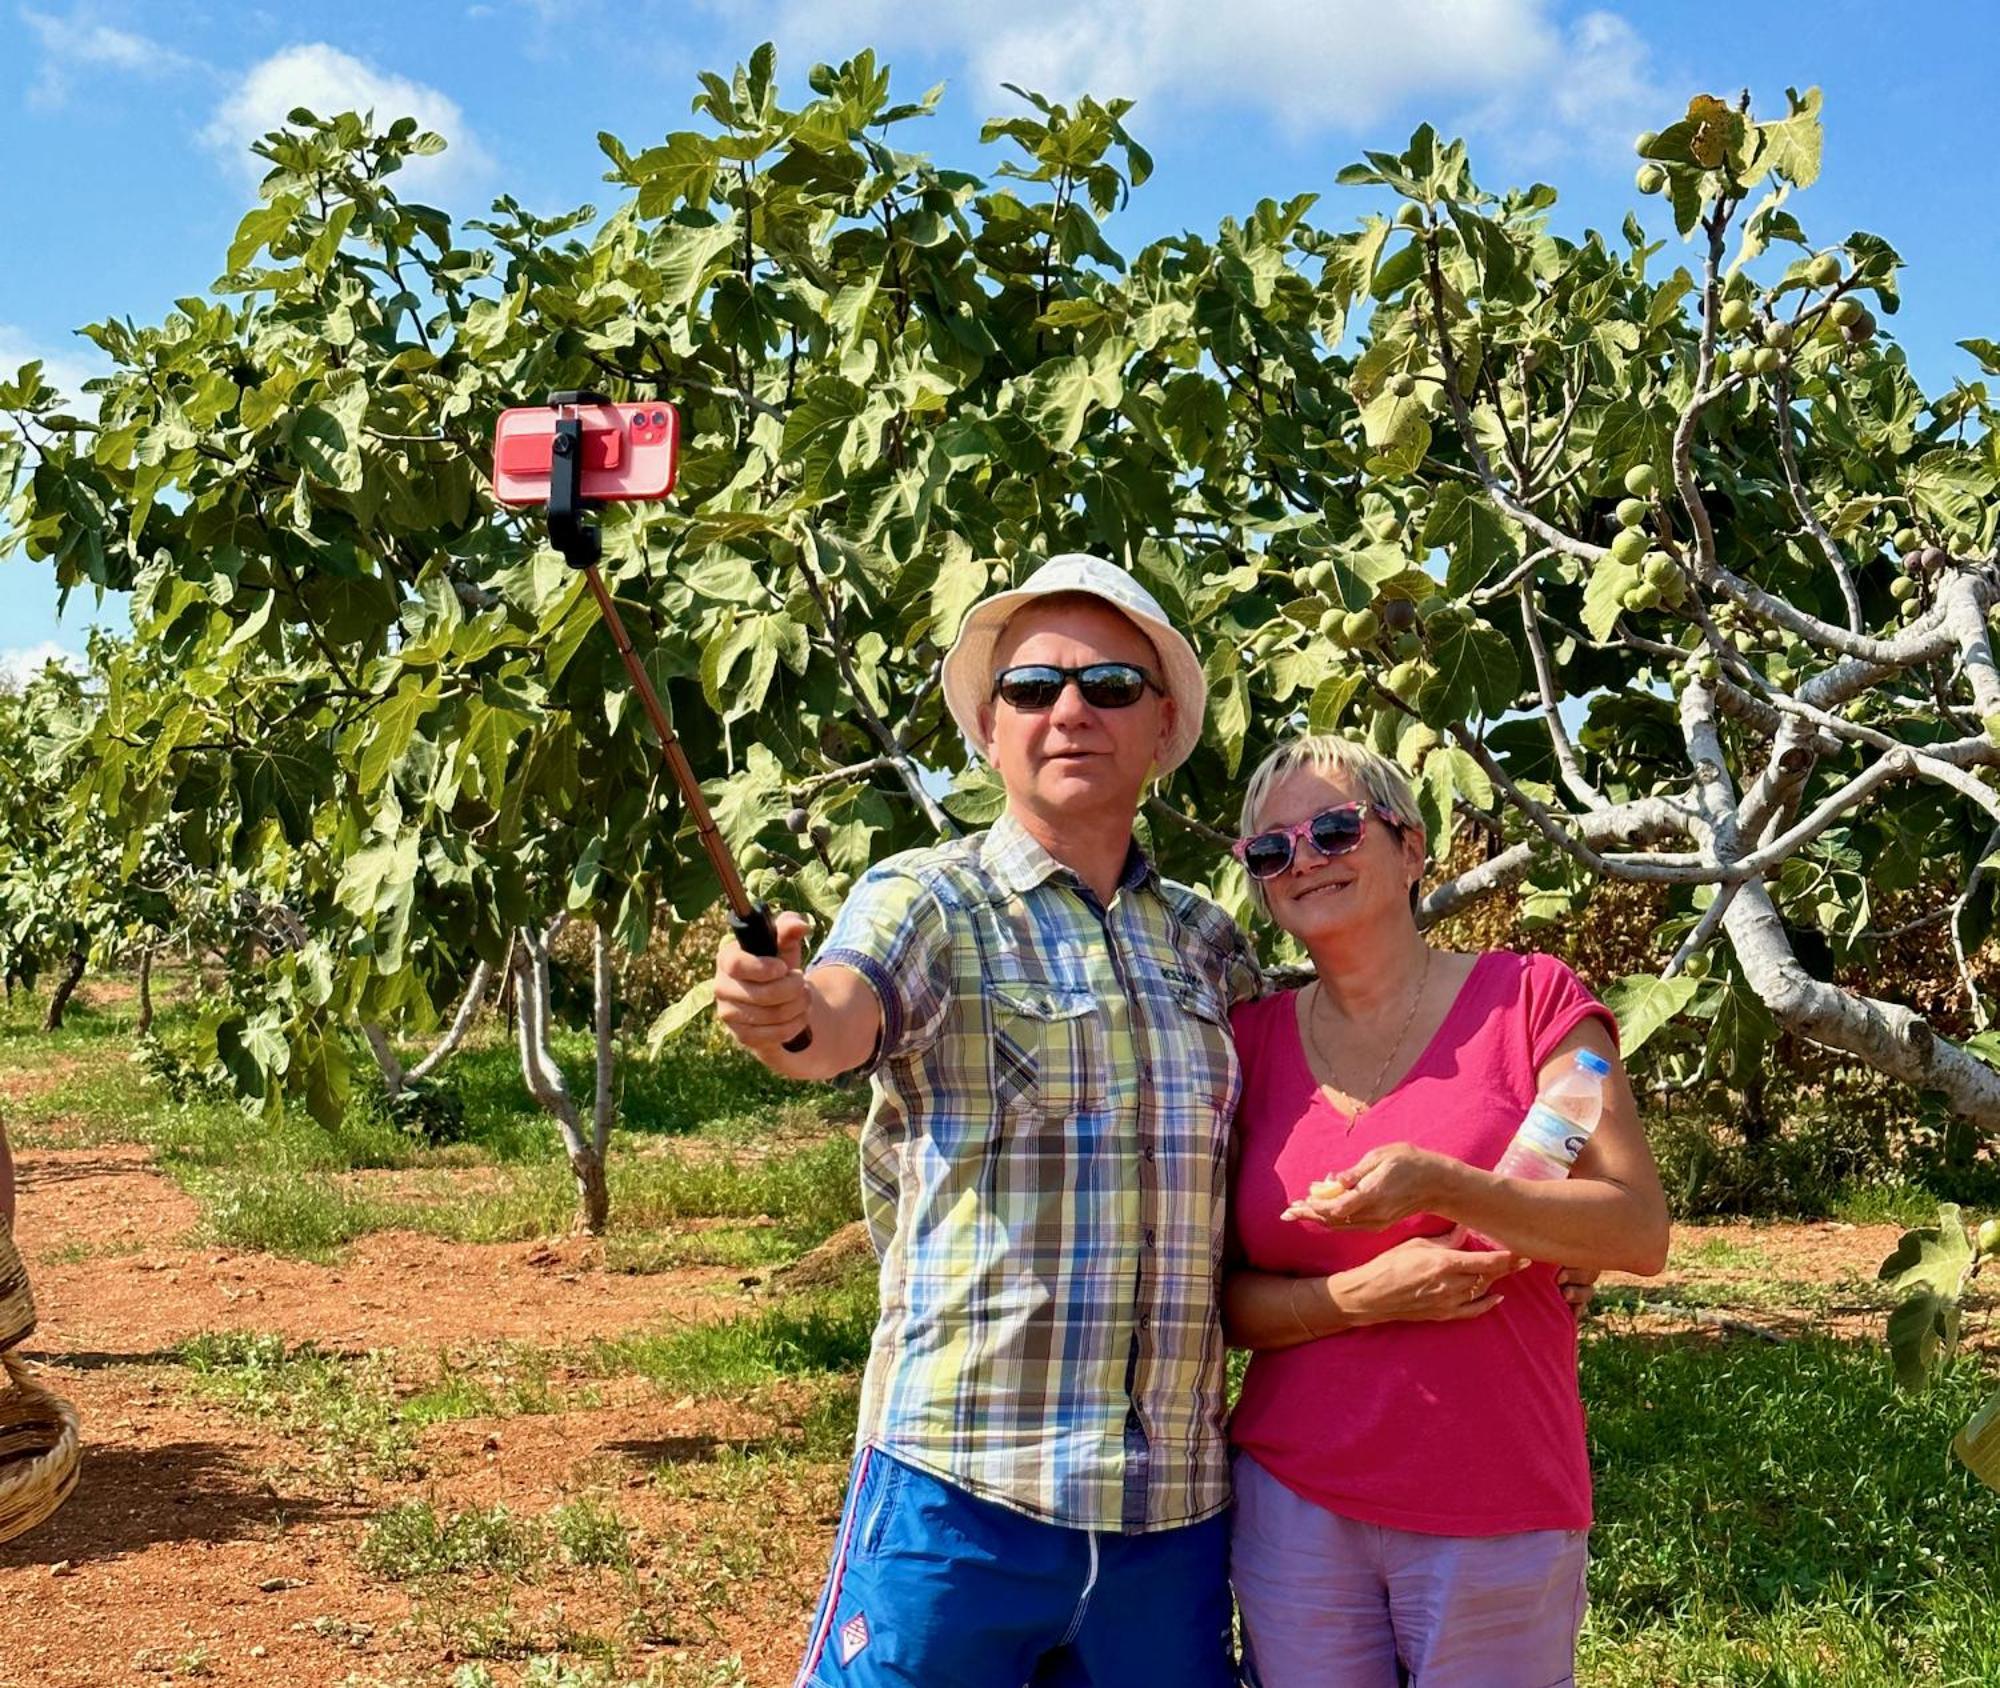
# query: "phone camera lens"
659,419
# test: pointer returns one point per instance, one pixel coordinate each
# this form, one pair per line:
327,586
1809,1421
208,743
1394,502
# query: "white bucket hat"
968,667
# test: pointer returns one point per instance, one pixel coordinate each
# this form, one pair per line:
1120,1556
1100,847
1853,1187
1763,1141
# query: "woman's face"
1319,896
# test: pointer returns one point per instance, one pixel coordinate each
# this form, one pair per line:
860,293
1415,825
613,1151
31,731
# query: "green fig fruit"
1629,545
1333,625
1696,965
1737,315
1989,1237
1409,215
1845,311
1408,647
1646,141
1709,668
1779,334
1632,512
1361,626
1907,540
1402,384
1650,179
1767,360
1644,596
1823,271
1642,480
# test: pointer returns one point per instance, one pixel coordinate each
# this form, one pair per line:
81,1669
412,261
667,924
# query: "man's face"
1072,761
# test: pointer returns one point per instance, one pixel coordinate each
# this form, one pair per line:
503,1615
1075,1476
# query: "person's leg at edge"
1309,1585
932,1587
1488,1611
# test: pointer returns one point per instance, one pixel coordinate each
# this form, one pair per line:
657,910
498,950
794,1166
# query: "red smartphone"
630,452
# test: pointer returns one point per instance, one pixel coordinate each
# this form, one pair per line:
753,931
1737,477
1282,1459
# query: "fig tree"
1642,480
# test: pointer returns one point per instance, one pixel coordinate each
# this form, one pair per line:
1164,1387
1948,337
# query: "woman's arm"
1610,1214
1429,1278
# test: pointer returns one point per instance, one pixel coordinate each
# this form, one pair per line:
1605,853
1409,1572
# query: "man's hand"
1577,1286
763,1001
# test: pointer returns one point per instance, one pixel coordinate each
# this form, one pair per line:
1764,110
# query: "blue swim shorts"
933,1587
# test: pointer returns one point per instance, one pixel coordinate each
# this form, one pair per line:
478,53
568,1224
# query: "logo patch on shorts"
853,1637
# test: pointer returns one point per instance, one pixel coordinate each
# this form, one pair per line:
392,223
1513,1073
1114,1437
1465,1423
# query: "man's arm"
765,1001
6,1182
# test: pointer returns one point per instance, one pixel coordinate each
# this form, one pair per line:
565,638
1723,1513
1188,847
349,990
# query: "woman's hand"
1426,1278
1383,1186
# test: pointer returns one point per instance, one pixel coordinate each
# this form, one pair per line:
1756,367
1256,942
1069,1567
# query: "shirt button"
1149,1151
1145,1321
1149,1238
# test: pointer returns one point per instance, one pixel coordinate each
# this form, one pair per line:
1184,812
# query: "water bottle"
1560,1123
1556,1128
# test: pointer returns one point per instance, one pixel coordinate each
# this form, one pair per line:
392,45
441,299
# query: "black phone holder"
575,538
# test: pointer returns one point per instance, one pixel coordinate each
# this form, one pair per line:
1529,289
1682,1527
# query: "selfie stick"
581,547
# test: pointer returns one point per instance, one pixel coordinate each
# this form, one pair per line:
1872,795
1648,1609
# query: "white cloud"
325,80
78,43
21,663
1338,65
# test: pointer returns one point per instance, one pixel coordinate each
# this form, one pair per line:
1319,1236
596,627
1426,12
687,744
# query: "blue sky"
126,122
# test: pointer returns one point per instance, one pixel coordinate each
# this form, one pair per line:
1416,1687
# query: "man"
1039,1490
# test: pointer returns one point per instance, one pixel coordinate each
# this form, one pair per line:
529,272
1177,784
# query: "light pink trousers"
1331,1603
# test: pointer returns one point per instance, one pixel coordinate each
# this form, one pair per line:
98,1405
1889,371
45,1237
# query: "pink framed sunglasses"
1332,832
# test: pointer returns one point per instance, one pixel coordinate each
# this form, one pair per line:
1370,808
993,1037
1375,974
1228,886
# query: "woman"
1413,1492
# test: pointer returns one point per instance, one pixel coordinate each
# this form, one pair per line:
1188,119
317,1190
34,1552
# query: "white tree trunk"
544,1078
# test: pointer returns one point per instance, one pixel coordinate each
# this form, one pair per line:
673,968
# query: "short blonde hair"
1377,779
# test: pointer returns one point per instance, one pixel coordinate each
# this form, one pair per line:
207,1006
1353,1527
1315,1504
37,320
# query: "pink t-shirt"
1466,1428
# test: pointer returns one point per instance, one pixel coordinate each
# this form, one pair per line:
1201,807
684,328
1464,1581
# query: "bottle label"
1545,1132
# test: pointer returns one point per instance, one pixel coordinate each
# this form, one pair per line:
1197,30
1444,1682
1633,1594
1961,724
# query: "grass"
1779,1514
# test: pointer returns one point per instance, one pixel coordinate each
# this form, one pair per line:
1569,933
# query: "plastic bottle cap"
1592,1062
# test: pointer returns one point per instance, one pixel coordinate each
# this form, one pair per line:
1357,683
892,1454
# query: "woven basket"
17,1301
40,1447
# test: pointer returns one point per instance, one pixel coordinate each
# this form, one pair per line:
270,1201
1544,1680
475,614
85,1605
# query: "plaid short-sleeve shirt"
1043,1172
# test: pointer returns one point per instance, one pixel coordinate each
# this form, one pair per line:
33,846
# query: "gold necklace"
1312,1033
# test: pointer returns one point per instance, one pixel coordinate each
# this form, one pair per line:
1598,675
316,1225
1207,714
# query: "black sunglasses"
1035,686
1333,832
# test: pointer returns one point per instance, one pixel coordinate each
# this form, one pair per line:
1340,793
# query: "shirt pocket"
1216,1074
1049,1048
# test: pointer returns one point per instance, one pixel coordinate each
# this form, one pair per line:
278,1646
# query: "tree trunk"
461,1023
65,988
385,1059
529,966
145,1025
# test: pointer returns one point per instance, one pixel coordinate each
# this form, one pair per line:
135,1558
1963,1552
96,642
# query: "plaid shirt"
1043,1172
